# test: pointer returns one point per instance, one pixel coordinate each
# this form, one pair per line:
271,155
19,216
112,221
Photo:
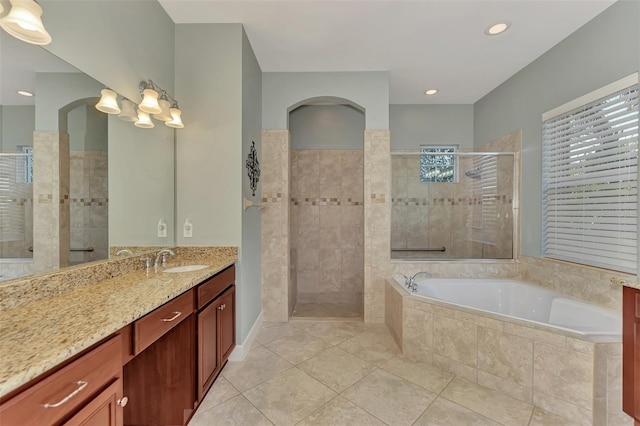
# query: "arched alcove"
326,226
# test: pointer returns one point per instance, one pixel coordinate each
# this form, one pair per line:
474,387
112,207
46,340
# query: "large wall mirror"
120,178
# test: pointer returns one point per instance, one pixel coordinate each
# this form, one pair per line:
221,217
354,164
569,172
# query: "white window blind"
589,174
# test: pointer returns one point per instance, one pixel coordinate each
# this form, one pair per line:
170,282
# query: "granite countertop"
625,282
38,335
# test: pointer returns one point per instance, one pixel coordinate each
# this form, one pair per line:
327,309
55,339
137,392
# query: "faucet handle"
147,262
407,281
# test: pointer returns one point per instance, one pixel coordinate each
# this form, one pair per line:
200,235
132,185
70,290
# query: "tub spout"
411,282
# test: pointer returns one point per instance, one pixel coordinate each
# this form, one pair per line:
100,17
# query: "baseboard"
241,351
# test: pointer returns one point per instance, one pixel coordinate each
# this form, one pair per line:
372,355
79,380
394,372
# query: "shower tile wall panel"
278,291
20,248
327,225
89,204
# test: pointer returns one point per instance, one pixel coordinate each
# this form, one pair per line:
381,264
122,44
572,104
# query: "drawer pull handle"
175,315
123,401
81,385
221,307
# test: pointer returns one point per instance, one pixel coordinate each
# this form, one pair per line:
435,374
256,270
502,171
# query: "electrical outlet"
188,229
162,228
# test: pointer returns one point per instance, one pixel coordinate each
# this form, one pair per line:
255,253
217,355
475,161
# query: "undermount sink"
185,268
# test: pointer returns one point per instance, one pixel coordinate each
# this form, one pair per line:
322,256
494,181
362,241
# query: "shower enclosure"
452,205
16,204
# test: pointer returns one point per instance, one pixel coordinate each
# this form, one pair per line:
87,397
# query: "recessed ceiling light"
24,93
497,28
431,92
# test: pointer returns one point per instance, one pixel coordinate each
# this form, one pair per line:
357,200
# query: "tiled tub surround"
89,205
37,333
326,226
471,218
566,374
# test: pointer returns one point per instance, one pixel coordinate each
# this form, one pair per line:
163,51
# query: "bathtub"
511,299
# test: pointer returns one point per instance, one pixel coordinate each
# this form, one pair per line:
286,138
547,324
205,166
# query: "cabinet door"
208,354
103,410
227,323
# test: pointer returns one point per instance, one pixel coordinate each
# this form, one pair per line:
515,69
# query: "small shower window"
439,166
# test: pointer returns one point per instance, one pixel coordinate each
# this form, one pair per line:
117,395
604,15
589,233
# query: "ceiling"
423,44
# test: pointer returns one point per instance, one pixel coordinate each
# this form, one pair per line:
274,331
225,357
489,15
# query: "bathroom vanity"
154,370
631,352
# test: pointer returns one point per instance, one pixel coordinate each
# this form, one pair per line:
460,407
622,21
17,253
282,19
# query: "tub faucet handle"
407,281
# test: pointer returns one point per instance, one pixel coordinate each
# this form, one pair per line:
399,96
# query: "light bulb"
108,102
24,23
149,103
176,120
144,121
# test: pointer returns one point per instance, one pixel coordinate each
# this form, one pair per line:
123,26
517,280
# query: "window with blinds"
589,178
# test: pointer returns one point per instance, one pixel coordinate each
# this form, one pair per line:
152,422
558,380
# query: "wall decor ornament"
253,168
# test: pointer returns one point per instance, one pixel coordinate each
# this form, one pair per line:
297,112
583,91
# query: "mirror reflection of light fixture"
165,115
128,111
24,22
176,120
144,121
108,102
149,102
1,8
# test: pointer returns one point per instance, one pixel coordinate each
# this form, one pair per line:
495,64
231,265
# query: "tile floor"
335,373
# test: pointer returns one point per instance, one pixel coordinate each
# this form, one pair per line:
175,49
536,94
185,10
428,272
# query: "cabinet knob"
123,401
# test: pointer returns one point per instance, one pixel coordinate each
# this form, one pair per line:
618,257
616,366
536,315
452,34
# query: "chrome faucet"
124,251
410,282
163,254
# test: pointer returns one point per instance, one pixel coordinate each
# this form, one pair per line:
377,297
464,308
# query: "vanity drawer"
64,392
155,324
214,286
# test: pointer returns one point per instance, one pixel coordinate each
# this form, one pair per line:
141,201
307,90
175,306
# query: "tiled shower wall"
326,229
89,205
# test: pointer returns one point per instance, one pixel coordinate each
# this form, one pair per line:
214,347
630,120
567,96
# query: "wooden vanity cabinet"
216,327
631,353
88,390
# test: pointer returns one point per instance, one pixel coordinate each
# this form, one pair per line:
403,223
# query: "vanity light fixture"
108,102
497,28
128,111
431,92
24,93
24,22
144,121
1,8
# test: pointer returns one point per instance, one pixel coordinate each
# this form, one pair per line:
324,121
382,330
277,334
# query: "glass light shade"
108,102
149,103
144,121
24,23
128,111
176,121
1,8
165,115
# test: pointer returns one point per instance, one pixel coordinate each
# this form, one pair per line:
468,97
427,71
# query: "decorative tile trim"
272,198
411,201
89,201
326,201
45,198
378,198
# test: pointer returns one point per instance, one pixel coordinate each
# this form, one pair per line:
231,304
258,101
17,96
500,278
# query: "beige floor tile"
489,403
297,347
336,368
220,391
445,413
340,411
260,365
390,398
236,411
271,331
289,397
374,345
327,310
544,418
336,332
431,378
